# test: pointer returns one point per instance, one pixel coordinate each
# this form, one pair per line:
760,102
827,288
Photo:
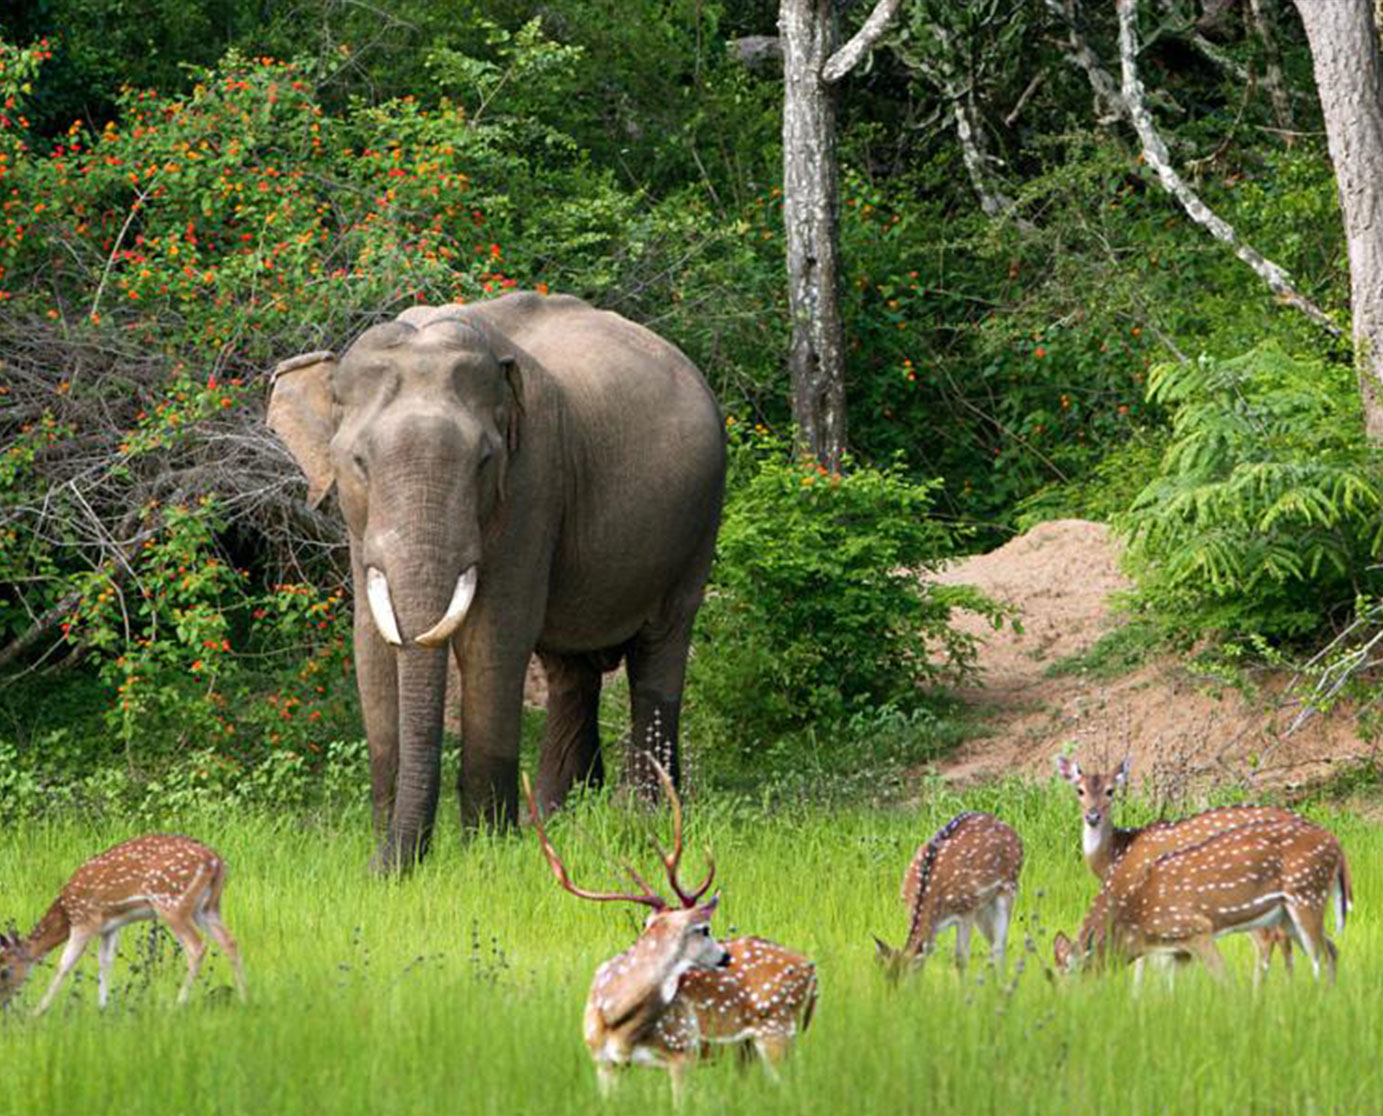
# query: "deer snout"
1092,817
723,961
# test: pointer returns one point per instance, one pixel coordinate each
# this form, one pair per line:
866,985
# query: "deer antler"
673,859
649,897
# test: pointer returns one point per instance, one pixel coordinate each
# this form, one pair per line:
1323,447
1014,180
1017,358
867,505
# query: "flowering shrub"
151,271
818,608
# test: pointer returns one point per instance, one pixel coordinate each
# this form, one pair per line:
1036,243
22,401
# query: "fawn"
965,876
1262,875
1105,844
161,876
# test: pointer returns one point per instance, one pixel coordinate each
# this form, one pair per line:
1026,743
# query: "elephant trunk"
422,675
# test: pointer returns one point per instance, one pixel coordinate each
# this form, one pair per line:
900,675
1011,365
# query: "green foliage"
817,608
1264,517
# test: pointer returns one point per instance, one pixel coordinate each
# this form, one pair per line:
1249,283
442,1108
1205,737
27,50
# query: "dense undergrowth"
170,609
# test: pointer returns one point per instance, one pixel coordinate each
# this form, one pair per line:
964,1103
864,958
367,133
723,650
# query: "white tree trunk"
1349,81
811,212
811,201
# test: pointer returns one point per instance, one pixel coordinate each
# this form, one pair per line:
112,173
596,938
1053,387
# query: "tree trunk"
811,205
1349,81
811,212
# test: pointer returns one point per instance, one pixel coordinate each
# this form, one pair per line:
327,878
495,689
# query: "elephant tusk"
456,611
381,608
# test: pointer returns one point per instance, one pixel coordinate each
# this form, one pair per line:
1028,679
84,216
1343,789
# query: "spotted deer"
1105,844
1267,874
966,876
161,876
760,1000
635,1014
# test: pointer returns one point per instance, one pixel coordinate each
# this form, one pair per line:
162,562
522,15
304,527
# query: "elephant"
524,474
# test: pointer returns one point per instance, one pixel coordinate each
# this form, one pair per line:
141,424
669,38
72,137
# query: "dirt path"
1177,728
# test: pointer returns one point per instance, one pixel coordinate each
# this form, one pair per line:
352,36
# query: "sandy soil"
1180,730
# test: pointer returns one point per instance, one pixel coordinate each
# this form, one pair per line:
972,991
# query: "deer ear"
710,905
1121,776
1068,769
300,414
882,950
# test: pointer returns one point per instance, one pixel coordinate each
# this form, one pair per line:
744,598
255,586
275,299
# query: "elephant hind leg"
571,743
657,665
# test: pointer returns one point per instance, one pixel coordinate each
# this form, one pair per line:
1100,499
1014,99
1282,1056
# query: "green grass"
460,989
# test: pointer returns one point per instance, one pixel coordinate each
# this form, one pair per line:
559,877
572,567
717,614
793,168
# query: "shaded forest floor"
1058,685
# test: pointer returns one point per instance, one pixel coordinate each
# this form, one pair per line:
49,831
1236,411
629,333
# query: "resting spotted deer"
761,999
676,988
161,876
965,876
1105,844
634,1013
1257,876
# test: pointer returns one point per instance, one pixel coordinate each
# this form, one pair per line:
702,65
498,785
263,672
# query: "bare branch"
1156,153
848,57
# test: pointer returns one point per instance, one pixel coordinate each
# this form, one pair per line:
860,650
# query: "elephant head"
415,427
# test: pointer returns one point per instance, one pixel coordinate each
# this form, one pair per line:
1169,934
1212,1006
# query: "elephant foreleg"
491,720
571,743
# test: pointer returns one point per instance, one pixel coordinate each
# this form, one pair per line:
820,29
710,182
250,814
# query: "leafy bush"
1264,517
817,609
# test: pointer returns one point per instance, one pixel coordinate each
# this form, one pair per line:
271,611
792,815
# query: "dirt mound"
1180,730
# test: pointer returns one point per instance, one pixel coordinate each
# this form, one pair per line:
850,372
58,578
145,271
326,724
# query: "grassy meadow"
460,989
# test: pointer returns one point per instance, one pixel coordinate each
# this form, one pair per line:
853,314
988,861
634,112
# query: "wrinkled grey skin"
577,462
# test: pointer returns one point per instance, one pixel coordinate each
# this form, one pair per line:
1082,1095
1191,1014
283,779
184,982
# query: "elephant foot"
393,857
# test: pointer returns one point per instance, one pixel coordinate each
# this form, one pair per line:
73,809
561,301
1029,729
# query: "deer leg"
1308,925
605,1078
963,944
71,954
995,928
772,1047
192,945
677,1074
105,955
211,921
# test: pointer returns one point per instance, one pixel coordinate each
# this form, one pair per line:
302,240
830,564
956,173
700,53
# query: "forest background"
1033,326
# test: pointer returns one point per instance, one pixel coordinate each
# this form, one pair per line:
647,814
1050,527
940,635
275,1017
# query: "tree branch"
848,57
1156,153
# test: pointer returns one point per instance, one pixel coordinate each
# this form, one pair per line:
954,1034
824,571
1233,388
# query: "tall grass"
460,988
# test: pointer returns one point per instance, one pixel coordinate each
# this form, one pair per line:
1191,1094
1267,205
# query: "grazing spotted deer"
762,999
1256,876
1106,844
635,1014
161,876
965,876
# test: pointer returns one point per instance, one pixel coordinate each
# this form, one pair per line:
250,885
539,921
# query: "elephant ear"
513,376
300,414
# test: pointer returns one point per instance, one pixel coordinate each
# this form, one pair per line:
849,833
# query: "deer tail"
1344,893
810,1009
